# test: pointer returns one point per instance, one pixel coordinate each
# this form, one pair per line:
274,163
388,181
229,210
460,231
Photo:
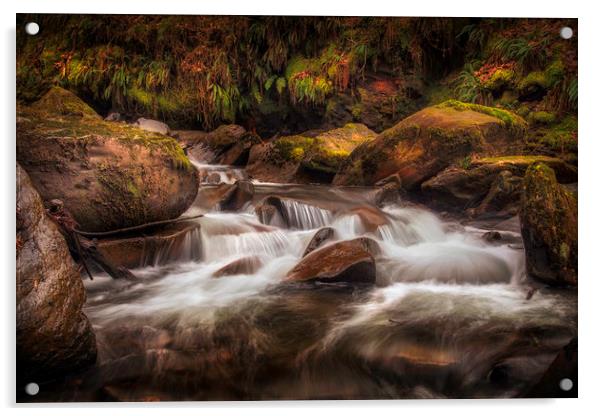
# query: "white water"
430,275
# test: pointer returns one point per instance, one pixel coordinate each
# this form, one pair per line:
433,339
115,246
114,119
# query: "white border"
590,209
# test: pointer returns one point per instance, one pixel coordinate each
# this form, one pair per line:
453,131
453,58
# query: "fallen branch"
134,228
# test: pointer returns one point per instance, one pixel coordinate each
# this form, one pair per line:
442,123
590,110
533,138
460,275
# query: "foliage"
512,121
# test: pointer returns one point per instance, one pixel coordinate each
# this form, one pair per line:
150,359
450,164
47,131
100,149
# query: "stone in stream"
425,143
245,265
350,261
109,175
229,144
53,334
548,217
180,241
237,196
320,237
271,211
371,217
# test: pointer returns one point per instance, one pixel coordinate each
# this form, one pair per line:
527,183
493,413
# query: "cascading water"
447,310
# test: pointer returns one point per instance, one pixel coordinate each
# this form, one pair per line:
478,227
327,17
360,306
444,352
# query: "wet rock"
491,236
229,144
420,146
518,165
271,211
213,178
388,194
245,265
349,261
180,241
548,217
503,196
237,196
53,337
319,238
109,175
371,217
308,157
154,126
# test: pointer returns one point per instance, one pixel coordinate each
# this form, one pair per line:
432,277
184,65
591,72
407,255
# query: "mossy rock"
60,102
542,117
500,79
109,175
548,217
428,141
518,165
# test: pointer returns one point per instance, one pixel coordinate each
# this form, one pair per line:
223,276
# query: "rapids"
448,316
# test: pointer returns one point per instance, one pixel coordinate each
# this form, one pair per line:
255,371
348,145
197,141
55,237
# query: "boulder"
109,175
153,126
371,217
308,157
487,184
229,144
180,241
271,211
548,217
53,334
320,237
350,261
245,265
237,196
420,146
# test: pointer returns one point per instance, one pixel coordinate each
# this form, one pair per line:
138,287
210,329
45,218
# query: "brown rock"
349,261
109,175
371,217
428,141
53,335
227,145
322,235
271,211
176,242
548,217
245,265
237,196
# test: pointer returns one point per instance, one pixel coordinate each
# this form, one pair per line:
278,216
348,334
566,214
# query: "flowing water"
449,315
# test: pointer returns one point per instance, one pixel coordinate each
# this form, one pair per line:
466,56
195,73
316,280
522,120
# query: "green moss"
501,78
512,121
543,79
542,117
60,102
293,148
561,137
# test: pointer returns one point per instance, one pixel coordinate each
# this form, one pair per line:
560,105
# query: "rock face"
349,261
53,334
109,175
237,196
420,146
227,145
548,217
488,185
176,242
307,157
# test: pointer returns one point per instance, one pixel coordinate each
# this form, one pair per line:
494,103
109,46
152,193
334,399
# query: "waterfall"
304,216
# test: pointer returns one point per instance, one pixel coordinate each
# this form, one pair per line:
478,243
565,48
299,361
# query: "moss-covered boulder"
109,175
489,184
309,157
53,335
430,140
548,217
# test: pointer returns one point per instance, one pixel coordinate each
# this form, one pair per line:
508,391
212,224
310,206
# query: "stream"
449,315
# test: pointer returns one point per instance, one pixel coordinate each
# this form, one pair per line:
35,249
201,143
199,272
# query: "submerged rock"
349,261
320,237
176,242
548,217
53,334
307,157
245,265
271,211
109,175
430,140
